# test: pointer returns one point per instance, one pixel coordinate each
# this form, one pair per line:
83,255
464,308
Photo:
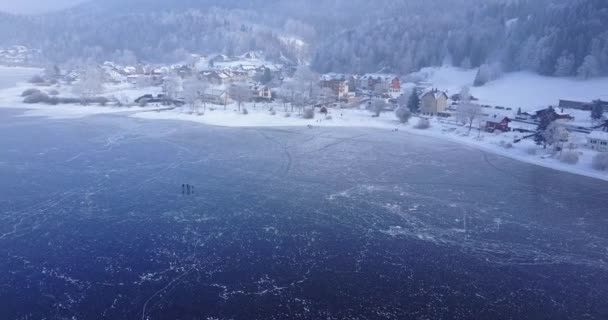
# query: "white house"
434,102
214,96
598,140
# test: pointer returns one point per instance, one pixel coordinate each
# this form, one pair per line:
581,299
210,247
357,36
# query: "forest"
551,37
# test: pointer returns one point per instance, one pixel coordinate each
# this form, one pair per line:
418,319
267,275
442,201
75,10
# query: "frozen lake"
287,224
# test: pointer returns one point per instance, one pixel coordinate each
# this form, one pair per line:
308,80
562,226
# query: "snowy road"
287,223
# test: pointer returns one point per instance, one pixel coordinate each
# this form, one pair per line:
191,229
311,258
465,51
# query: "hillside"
525,90
551,37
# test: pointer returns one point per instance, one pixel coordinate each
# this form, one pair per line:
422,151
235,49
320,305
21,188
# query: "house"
550,114
216,77
598,141
434,102
496,122
395,86
338,83
214,96
262,93
183,71
380,82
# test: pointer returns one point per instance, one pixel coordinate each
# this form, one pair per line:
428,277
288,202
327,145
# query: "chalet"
262,93
496,122
434,102
598,141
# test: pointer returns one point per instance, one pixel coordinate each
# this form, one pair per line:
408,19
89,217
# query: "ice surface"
382,224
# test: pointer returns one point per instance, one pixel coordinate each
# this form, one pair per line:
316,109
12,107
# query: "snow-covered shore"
275,115
500,144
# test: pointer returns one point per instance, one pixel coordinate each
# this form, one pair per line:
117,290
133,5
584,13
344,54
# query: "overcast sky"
35,6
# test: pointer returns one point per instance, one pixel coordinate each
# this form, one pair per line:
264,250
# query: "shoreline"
151,114
409,129
260,117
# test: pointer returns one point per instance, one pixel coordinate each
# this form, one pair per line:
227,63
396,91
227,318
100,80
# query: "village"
250,91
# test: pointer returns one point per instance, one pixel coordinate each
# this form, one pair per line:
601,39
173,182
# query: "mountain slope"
551,37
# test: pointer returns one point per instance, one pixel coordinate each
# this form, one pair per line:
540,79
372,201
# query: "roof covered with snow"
436,93
598,135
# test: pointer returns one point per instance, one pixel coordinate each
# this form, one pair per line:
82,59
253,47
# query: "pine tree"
545,121
414,103
597,110
266,77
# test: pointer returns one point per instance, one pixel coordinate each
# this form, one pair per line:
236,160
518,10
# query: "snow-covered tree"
192,93
52,72
403,114
378,105
241,93
266,76
90,83
565,65
597,111
306,84
555,134
487,73
172,85
465,94
414,101
468,112
589,69
423,123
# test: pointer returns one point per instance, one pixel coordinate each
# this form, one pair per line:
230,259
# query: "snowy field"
524,90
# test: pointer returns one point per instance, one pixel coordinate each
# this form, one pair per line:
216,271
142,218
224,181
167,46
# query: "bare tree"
306,83
192,93
288,93
465,94
329,95
172,84
468,112
91,83
240,93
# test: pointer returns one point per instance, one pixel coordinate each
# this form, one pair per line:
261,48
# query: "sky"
35,6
